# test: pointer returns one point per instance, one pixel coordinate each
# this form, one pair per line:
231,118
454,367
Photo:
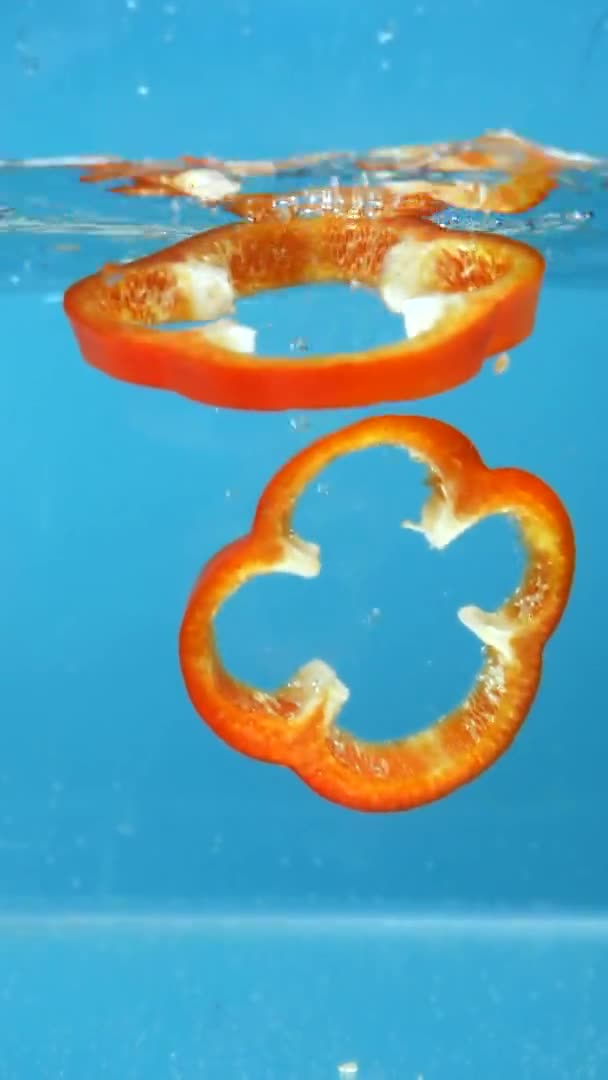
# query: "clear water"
169,909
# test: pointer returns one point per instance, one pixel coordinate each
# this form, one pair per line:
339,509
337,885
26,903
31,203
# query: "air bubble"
299,423
299,344
31,65
29,62
348,1069
372,616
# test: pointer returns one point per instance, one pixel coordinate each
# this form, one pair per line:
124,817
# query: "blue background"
115,800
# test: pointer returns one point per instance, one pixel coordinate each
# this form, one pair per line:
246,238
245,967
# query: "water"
170,908
294,998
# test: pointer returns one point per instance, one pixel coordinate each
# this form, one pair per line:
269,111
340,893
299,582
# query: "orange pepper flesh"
524,190
489,283
531,169
415,200
163,173
424,198
502,151
296,725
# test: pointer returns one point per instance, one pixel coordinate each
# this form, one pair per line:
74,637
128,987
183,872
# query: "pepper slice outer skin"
296,725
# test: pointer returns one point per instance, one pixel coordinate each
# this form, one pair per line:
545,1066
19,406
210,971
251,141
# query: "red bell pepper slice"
420,198
492,151
209,186
164,171
464,296
502,151
525,189
296,726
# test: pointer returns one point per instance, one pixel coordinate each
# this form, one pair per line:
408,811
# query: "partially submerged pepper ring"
296,726
464,297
